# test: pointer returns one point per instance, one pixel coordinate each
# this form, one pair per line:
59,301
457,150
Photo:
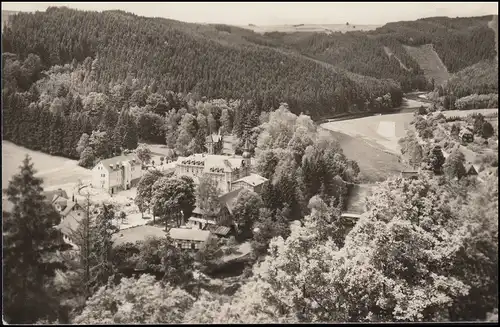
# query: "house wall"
135,171
100,177
115,178
188,245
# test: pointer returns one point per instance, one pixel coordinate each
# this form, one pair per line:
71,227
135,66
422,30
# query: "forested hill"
459,42
191,58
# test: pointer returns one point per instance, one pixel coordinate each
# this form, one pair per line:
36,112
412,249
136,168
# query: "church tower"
209,144
247,158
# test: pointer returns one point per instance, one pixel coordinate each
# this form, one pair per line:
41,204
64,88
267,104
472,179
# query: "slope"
211,61
480,78
429,61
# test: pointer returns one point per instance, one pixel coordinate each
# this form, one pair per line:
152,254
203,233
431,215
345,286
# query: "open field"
375,163
55,171
430,62
326,28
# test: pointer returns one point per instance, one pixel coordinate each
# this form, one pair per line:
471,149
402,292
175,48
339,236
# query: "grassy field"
375,163
430,62
55,171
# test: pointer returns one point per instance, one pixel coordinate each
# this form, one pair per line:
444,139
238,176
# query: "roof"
60,200
201,220
471,168
49,195
220,230
69,207
252,179
119,159
138,234
189,234
70,223
213,163
229,199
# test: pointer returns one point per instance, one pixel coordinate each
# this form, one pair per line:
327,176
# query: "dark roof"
70,223
49,195
229,199
119,159
69,207
220,230
471,170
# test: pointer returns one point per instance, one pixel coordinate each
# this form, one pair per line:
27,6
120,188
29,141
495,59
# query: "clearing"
430,62
55,171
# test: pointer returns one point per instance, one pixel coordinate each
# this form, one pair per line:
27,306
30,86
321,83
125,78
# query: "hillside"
493,24
459,42
480,78
215,61
429,61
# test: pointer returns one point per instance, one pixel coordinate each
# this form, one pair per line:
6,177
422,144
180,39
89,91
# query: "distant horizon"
275,14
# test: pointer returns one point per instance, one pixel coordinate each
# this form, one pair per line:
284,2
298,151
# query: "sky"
277,13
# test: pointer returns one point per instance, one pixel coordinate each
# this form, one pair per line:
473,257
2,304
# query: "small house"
199,223
211,225
190,238
466,136
409,174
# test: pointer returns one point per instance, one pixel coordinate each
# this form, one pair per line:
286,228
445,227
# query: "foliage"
141,300
29,237
207,196
454,165
143,153
144,196
173,198
435,160
267,227
246,211
475,101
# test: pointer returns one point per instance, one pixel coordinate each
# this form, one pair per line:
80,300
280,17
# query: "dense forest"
68,73
185,58
459,42
480,78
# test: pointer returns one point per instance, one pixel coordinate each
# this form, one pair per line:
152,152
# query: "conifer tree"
29,237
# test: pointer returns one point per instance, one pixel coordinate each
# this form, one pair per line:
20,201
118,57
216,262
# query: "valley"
212,174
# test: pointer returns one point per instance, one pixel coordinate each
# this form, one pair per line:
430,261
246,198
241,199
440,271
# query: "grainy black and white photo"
249,162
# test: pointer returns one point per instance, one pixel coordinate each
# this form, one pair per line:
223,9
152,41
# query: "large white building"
117,173
230,172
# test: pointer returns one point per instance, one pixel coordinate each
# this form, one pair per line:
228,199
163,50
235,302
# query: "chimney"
111,166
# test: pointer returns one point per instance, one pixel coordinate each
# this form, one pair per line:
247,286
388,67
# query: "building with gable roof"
230,172
117,173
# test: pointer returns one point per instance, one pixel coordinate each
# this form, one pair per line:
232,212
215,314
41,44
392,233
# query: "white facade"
118,173
225,170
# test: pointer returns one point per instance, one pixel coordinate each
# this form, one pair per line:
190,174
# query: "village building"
117,173
71,216
409,174
229,172
190,238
